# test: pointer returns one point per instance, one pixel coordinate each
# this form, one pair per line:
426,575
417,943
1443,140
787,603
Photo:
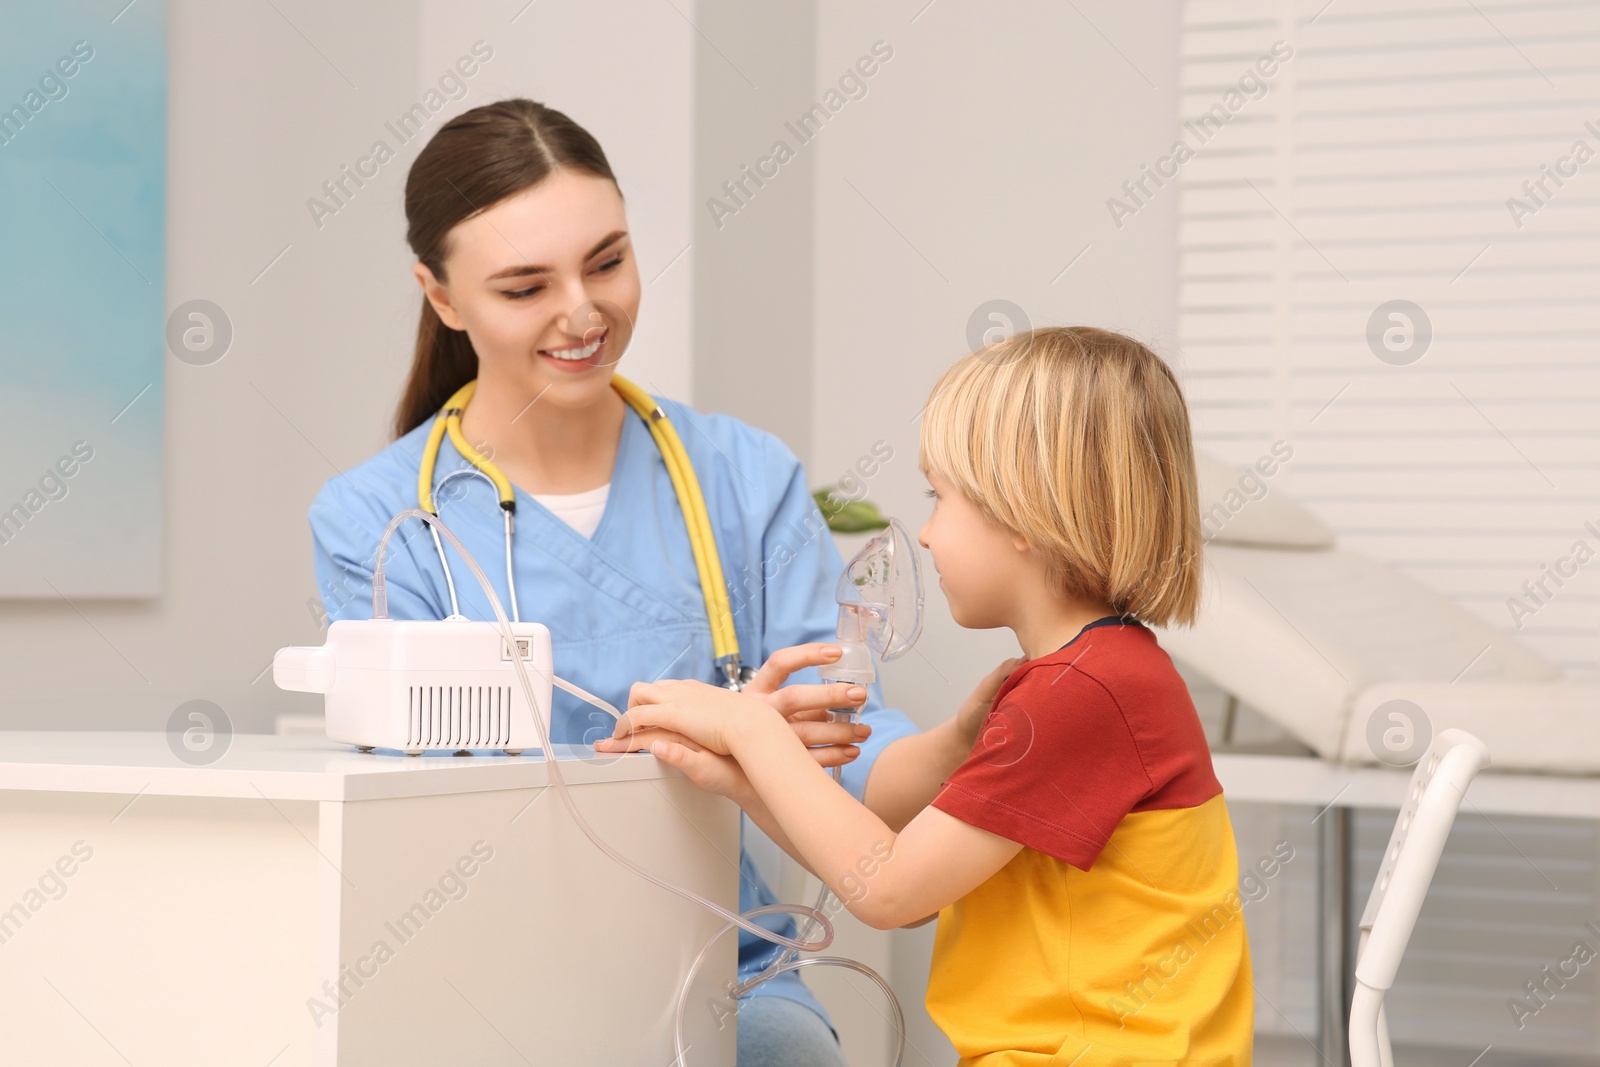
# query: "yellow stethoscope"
725,642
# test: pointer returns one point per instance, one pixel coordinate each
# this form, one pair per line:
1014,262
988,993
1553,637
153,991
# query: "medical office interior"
1363,234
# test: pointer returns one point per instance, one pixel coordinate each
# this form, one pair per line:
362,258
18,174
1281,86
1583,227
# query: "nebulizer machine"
416,685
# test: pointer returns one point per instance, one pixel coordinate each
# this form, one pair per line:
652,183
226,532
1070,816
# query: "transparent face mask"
880,605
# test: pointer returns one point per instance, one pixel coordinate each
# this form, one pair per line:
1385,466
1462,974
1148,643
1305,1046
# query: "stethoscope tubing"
685,484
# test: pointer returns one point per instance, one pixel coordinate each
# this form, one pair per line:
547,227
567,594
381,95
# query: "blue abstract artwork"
83,144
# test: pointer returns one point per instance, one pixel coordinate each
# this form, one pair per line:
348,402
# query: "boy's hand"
691,726
721,775
975,709
708,715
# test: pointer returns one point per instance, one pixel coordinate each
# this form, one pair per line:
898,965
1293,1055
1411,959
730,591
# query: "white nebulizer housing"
880,606
416,685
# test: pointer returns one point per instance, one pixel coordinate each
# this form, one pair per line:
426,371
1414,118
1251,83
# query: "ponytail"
444,361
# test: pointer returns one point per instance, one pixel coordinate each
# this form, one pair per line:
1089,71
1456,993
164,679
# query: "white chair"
1438,787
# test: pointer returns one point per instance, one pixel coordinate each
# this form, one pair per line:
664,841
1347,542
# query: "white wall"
624,71
976,168
753,269
266,103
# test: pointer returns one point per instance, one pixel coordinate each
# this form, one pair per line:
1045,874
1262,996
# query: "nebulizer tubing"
380,610
788,962
438,546
510,531
785,965
868,621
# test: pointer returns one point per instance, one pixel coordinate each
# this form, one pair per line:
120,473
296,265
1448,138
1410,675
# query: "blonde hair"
1078,440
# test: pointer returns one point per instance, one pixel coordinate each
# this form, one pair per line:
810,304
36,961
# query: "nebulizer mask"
880,612
880,607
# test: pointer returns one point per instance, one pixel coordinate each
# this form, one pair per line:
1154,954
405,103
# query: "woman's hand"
800,703
975,709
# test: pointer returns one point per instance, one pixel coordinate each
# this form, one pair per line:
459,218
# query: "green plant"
848,516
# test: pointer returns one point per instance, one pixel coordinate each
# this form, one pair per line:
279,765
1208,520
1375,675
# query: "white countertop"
286,768
314,768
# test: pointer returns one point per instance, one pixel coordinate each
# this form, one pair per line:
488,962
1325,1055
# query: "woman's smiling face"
546,273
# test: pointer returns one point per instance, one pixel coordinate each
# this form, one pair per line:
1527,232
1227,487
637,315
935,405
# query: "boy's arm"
910,770
759,814
904,763
886,879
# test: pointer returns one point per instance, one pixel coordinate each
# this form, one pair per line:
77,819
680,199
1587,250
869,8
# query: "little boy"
1080,861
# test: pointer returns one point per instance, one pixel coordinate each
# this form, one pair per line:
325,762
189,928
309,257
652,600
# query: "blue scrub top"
624,605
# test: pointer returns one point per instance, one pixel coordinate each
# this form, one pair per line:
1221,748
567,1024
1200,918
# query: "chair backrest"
1437,789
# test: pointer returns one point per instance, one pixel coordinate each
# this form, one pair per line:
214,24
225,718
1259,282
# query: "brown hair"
476,160
1078,439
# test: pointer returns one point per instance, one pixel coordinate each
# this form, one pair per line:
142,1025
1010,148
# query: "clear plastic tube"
510,529
380,610
787,961
694,968
788,953
862,968
822,896
449,579
880,609
511,574
584,695
783,965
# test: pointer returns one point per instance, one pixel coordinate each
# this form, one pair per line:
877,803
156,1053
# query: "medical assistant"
625,604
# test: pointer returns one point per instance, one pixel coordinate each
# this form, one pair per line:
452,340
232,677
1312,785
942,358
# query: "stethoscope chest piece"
736,675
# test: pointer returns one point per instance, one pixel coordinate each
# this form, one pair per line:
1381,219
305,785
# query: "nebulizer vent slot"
477,716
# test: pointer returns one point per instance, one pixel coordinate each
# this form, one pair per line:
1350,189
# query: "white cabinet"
297,903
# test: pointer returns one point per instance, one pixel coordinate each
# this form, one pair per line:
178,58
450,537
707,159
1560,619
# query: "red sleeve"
1055,767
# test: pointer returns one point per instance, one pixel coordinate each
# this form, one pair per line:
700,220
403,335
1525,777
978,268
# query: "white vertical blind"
1387,161
1378,167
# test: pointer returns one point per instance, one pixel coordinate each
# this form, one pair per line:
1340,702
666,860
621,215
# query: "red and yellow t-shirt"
1115,936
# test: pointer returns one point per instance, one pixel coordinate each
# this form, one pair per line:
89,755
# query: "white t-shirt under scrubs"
581,511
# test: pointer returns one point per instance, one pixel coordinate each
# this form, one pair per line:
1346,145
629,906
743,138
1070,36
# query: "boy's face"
981,564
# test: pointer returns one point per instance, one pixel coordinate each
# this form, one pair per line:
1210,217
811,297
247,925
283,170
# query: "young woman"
531,289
